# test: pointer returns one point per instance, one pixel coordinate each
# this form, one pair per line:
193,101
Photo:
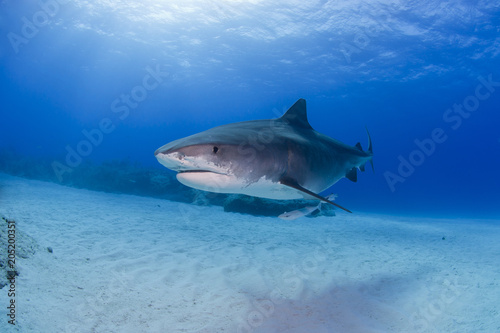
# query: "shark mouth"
201,171
182,164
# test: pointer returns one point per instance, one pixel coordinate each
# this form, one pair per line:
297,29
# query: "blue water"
136,75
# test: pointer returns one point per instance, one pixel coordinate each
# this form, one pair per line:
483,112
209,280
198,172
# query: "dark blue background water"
394,67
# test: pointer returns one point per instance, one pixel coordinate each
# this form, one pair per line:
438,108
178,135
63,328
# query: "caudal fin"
352,174
370,148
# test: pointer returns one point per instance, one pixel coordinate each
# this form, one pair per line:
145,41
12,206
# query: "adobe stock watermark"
422,319
31,26
93,309
453,118
121,106
364,37
292,283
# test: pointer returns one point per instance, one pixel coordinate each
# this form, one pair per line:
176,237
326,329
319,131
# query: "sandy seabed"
122,263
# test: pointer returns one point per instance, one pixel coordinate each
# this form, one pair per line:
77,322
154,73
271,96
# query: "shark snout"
167,150
180,161
172,160
161,150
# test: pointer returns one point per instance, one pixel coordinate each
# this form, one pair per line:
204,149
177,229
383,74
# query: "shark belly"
221,183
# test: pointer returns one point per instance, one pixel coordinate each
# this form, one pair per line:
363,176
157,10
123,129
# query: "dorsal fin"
358,145
297,115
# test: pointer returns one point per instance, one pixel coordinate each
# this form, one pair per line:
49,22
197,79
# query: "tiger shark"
282,158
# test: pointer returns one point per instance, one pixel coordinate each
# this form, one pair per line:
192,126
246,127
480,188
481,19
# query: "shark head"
197,157
222,159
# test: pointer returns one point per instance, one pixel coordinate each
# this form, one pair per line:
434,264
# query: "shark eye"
215,149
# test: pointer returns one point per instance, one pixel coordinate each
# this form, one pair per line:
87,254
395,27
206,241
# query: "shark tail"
352,174
370,149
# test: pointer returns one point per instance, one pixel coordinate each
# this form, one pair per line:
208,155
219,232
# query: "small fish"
295,214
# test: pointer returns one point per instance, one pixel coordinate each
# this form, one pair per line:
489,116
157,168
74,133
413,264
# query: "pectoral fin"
287,181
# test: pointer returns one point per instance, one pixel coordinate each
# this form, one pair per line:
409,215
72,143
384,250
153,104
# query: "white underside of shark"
264,188
216,180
